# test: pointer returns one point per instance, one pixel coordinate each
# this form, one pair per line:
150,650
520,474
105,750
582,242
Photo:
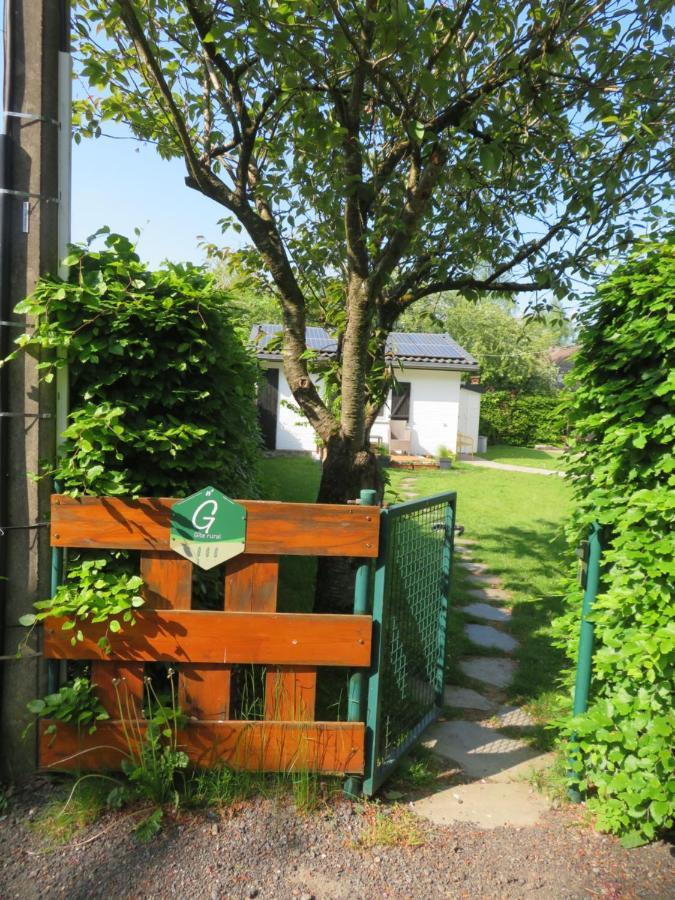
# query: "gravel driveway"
264,849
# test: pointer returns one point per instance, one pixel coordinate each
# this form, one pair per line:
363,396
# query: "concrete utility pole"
35,31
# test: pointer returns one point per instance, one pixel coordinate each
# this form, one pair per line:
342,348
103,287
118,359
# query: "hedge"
162,387
621,471
523,419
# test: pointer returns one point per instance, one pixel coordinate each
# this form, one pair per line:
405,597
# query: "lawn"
523,456
516,519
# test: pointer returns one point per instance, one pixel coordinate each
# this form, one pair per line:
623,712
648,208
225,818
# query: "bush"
523,419
162,387
621,472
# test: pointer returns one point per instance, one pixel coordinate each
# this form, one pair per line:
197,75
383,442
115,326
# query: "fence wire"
410,616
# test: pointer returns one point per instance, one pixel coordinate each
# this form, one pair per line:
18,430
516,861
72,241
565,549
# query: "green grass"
523,456
294,479
516,520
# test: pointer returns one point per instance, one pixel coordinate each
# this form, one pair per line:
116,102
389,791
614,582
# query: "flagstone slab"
489,669
485,804
487,636
514,717
485,611
466,698
475,568
488,593
481,751
483,582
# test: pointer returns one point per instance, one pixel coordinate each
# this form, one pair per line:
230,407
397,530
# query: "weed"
552,780
62,818
74,702
222,787
394,827
419,768
154,760
150,827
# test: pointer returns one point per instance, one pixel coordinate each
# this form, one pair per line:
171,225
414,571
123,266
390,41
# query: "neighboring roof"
414,351
562,357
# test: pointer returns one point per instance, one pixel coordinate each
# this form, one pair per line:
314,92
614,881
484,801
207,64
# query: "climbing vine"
621,471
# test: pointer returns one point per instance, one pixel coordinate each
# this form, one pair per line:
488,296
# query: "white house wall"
469,415
434,413
293,430
434,410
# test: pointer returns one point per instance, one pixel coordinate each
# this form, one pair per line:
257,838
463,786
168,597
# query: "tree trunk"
346,472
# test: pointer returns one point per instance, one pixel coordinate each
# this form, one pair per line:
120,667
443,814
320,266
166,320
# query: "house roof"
411,350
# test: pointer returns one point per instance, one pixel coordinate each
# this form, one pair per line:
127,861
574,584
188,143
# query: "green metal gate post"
373,710
355,703
448,550
582,685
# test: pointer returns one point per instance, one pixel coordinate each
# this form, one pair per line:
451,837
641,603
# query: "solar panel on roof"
401,344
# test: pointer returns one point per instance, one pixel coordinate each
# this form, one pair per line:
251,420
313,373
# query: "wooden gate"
203,645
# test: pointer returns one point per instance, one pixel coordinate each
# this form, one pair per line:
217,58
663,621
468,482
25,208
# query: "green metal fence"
410,590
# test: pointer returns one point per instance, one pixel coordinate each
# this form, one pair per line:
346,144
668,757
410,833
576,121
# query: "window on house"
400,400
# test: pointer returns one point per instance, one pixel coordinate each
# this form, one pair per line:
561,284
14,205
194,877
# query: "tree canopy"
513,352
380,151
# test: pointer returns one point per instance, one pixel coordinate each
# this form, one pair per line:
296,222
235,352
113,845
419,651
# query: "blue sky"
125,184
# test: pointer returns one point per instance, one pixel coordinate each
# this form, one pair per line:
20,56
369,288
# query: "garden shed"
424,409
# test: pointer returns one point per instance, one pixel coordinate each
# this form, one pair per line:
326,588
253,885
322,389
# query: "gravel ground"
264,849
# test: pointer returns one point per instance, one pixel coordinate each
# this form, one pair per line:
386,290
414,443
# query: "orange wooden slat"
304,529
290,693
196,636
167,580
118,685
204,691
251,583
330,747
251,586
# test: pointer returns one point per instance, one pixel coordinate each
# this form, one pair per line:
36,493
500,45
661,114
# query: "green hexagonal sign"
207,528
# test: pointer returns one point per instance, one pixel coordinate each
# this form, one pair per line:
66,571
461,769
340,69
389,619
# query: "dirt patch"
265,849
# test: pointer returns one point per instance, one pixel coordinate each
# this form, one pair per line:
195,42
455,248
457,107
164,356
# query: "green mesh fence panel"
410,604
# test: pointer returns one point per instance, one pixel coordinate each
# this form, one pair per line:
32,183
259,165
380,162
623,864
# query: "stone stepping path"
488,593
514,717
494,764
485,611
466,698
492,670
487,636
481,751
474,568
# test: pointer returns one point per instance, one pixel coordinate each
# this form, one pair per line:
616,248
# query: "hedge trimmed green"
162,387
621,470
522,419
162,401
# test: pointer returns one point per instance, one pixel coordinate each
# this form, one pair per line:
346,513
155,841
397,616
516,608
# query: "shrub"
162,387
162,393
523,419
621,472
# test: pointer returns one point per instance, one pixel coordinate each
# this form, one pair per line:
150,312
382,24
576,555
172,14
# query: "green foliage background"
162,388
513,351
523,419
621,471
